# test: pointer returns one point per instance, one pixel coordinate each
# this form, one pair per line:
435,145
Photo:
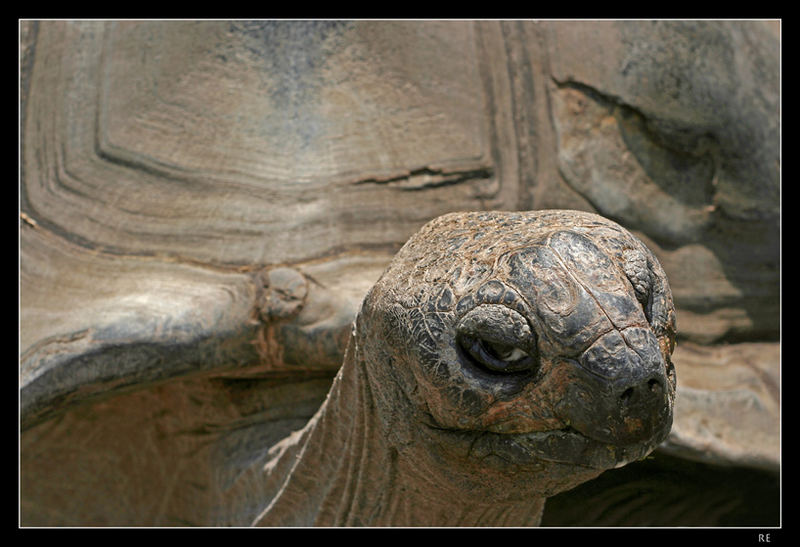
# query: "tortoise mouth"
562,446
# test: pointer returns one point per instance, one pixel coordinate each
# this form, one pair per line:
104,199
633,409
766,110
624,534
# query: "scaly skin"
425,426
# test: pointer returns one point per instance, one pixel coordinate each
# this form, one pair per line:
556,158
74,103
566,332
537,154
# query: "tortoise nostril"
626,395
652,385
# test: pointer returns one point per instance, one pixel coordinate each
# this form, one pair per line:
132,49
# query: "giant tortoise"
205,206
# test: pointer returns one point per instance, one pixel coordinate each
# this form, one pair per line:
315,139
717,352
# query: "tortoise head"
529,351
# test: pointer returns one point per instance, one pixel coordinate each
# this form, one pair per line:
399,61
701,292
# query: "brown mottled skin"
502,358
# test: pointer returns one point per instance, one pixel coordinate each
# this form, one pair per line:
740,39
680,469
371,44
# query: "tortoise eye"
495,356
503,352
637,270
496,339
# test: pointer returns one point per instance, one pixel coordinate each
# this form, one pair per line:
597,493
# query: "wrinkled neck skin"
340,470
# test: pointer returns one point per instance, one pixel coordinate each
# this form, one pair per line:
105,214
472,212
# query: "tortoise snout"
624,394
641,413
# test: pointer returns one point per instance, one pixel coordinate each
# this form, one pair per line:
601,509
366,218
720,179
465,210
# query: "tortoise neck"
341,471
